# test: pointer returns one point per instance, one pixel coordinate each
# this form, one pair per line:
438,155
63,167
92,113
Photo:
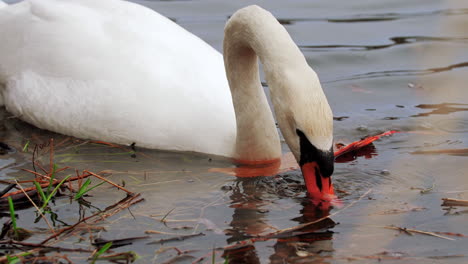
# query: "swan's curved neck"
253,33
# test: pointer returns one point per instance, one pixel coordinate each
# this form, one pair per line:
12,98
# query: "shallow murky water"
384,65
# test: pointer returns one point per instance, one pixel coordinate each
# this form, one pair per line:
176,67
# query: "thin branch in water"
177,238
51,152
162,233
35,245
44,185
99,242
7,189
108,181
164,217
37,208
410,231
36,173
126,202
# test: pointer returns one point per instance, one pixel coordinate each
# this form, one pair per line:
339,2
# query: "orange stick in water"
362,143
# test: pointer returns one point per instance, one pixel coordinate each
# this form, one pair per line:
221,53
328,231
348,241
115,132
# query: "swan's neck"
254,33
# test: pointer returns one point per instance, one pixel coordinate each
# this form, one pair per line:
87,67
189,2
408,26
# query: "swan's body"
116,71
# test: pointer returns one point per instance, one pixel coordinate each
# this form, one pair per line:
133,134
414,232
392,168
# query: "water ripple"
453,125
364,18
378,74
359,18
395,41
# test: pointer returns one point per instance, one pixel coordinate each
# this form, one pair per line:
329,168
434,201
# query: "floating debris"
411,231
454,202
340,118
385,172
176,238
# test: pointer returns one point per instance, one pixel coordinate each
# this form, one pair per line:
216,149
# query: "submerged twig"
164,217
128,257
409,231
178,259
35,246
37,208
51,155
111,183
423,191
43,185
162,233
126,202
117,242
177,238
443,151
7,189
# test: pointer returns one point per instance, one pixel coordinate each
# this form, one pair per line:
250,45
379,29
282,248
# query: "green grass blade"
12,215
40,191
82,191
97,185
26,146
213,257
13,260
54,191
101,251
16,259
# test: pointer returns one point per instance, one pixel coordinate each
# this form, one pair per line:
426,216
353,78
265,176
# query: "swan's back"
114,71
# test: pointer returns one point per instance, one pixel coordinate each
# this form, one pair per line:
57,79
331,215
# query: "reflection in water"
441,109
246,199
310,243
250,219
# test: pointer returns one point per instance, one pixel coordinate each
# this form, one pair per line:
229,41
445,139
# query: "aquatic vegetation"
13,216
45,188
101,251
83,189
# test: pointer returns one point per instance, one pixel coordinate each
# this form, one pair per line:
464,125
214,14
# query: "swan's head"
306,121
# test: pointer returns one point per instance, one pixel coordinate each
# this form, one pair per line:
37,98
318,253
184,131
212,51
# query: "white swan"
117,71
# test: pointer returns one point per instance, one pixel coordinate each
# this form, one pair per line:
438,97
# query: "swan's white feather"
114,71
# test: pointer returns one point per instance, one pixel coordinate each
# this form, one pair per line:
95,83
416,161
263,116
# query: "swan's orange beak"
319,187
317,167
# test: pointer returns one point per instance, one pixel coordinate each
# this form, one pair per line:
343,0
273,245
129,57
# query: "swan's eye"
309,153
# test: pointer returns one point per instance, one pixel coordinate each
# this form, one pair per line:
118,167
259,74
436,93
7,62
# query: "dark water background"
384,65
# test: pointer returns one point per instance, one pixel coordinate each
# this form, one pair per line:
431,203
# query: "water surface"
384,65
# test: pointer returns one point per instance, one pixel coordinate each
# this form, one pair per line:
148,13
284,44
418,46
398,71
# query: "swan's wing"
115,71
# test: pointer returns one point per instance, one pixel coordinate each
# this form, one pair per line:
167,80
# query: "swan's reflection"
249,220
